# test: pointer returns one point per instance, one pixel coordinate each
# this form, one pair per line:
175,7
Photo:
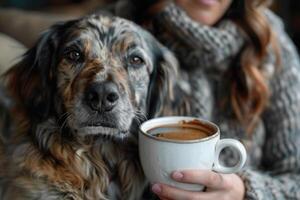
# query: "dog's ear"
31,81
162,83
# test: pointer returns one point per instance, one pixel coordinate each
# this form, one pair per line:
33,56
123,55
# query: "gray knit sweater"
273,166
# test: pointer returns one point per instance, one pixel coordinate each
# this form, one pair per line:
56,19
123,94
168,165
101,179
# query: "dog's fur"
5,121
79,95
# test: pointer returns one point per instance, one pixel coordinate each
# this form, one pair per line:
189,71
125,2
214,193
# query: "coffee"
181,131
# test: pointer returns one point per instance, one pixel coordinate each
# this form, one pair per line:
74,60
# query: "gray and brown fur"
70,142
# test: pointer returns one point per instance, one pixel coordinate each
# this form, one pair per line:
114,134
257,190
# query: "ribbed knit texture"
196,44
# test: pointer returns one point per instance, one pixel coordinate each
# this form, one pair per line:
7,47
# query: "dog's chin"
109,132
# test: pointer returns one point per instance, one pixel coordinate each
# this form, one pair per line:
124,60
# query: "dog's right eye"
74,56
136,60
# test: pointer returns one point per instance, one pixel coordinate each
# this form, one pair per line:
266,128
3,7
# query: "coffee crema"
179,132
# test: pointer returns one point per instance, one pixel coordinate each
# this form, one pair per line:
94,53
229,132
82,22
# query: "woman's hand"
218,186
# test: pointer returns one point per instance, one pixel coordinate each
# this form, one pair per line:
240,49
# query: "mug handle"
239,147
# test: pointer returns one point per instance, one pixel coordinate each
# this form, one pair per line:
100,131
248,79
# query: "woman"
254,71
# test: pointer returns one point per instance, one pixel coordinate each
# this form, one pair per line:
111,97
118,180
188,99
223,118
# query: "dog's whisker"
67,116
63,115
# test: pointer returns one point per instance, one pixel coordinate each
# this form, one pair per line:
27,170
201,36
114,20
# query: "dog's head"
94,76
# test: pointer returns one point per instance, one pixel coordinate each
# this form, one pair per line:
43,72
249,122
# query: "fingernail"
156,188
177,175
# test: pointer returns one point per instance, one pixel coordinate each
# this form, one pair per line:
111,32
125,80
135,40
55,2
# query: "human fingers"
171,193
163,198
207,178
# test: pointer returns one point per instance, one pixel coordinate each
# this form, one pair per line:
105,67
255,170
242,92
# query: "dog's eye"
136,60
74,55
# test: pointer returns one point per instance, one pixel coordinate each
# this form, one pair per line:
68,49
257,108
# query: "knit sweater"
273,167
272,170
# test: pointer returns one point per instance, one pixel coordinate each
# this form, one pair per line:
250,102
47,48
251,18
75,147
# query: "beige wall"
10,51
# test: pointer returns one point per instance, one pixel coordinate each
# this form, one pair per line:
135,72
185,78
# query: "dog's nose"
102,96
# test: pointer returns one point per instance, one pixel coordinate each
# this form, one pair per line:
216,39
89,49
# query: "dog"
79,96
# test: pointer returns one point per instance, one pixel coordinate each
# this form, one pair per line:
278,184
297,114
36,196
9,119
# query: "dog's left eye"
74,55
136,60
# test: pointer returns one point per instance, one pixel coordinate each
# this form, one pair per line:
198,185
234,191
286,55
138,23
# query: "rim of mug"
177,119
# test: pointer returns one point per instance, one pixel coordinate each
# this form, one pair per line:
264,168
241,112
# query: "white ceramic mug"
160,157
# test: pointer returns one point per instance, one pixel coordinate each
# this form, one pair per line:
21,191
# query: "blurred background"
21,28
289,10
